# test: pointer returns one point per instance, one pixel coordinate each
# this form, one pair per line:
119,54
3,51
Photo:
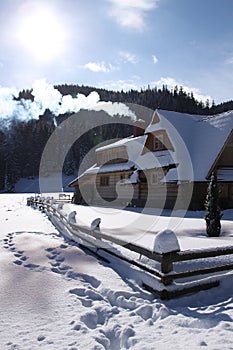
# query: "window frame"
104,181
159,142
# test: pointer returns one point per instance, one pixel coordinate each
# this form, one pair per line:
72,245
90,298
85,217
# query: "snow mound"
166,242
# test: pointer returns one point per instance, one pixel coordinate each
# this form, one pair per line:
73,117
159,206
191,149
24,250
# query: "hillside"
38,112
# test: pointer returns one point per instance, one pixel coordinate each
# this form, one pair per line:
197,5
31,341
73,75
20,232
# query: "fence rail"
164,274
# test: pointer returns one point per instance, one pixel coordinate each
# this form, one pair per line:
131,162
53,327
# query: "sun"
41,32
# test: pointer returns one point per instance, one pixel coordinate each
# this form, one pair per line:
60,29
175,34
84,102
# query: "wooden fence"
174,273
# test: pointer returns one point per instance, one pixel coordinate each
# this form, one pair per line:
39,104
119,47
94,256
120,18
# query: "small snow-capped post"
36,201
71,217
47,203
60,206
41,203
52,205
30,201
213,212
95,225
165,244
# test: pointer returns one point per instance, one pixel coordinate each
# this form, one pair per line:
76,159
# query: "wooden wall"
115,189
112,155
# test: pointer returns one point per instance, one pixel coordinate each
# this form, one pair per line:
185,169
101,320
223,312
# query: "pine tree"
213,212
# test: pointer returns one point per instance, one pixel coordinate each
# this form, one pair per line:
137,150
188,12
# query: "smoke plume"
47,97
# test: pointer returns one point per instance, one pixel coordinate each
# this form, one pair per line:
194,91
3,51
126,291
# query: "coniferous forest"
22,142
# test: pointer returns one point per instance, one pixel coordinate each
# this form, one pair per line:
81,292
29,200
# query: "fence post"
166,244
166,263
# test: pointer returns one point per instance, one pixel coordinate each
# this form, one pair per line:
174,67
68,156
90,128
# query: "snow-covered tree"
213,212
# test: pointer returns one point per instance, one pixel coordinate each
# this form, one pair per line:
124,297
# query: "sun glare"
41,33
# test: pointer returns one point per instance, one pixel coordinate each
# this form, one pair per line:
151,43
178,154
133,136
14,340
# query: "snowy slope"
55,296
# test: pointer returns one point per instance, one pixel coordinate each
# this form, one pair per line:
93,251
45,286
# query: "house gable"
155,118
157,141
224,158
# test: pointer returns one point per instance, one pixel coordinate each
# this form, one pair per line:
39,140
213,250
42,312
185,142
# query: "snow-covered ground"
53,295
141,227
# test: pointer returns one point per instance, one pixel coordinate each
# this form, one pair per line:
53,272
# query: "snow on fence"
174,272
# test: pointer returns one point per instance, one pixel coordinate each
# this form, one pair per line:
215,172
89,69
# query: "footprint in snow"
85,278
49,249
51,257
8,242
118,337
57,270
63,246
60,259
23,258
90,319
82,296
19,254
56,262
31,266
41,337
65,267
18,262
91,280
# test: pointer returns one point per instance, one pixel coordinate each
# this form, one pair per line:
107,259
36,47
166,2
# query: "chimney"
139,128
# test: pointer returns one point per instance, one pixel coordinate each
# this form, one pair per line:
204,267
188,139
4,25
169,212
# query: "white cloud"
128,57
131,13
155,59
229,60
99,67
171,83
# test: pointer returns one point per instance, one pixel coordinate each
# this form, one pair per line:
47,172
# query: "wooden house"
168,164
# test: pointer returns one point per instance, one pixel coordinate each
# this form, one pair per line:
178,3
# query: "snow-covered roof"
119,143
171,176
133,179
202,136
109,168
106,168
159,159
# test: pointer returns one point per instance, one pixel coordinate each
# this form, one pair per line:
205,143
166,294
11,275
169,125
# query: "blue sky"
119,44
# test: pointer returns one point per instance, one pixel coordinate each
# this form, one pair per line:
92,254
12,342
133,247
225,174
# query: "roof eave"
219,155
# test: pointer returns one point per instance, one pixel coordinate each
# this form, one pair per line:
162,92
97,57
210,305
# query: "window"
104,181
154,178
158,142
